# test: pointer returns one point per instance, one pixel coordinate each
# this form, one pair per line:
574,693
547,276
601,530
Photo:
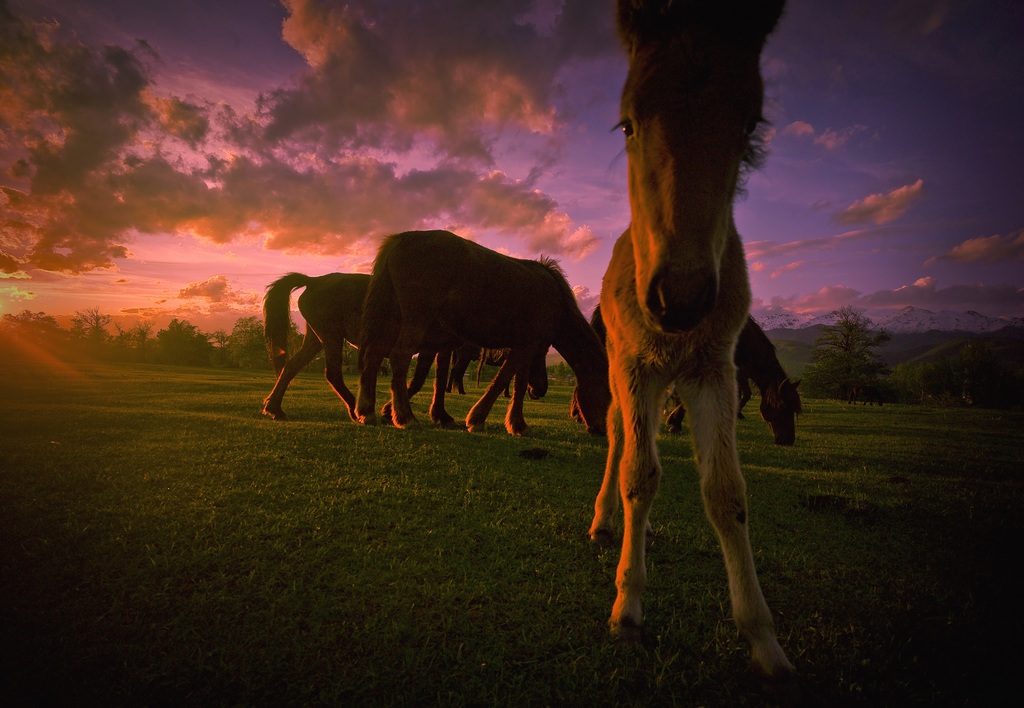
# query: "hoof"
276,415
784,687
602,538
625,631
370,419
444,421
476,427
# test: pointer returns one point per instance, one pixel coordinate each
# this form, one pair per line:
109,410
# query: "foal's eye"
626,126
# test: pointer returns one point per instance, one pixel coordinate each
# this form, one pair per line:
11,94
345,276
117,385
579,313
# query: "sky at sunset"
170,159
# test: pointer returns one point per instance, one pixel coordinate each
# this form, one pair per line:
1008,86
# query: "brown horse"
675,295
467,353
756,360
484,297
332,306
865,394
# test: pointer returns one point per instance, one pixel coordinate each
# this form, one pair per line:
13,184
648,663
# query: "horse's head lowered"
780,404
690,111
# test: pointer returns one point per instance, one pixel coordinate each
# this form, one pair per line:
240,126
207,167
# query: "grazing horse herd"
674,304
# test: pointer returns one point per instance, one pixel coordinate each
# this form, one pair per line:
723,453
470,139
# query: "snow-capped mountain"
780,320
914,319
907,320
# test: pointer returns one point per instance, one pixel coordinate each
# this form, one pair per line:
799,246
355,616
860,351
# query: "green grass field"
164,543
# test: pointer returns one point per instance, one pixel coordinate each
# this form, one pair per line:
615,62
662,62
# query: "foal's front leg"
711,404
639,396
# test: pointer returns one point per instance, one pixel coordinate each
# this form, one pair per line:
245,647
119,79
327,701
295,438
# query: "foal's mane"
642,22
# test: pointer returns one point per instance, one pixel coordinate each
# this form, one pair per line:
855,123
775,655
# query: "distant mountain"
780,320
905,321
915,319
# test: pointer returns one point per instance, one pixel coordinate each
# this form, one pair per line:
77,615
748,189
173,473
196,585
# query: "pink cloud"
786,268
799,128
832,139
986,249
882,208
826,299
130,161
213,289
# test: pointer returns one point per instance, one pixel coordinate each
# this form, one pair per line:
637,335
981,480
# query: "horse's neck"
580,347
766,371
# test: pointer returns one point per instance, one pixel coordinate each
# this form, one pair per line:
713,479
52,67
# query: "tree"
89,327
37,326
844,356
183,343
246,345
28,333
135,343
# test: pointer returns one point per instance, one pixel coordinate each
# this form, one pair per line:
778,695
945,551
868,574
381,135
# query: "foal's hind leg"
602,529
711,403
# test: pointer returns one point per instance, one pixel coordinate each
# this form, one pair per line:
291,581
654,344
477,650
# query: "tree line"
845,355
94,335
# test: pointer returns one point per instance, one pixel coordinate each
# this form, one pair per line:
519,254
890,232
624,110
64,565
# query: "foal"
676,295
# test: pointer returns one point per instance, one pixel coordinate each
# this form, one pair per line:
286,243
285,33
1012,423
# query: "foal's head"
690,112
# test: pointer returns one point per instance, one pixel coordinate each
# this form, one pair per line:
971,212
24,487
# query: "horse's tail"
276,318
380,308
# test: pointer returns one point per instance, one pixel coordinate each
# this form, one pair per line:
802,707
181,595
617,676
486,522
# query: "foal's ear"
642,21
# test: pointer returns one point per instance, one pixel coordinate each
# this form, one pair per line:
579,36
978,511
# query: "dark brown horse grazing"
676,295
484,297
332,306
467,353
865,394
755,358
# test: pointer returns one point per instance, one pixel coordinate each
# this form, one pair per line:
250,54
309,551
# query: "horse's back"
333,303
484,296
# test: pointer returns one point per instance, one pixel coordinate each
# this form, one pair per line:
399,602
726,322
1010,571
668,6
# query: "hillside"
795,346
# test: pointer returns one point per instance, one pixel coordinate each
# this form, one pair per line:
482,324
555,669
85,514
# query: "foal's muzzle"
678,303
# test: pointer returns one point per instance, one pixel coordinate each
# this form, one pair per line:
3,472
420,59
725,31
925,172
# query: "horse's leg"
515,423
366,402
310,348
401,355
334,352
477,418
438,414
640,398
675,418
743,383
602,528
711,404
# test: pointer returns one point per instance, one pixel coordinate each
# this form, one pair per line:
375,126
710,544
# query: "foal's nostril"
656,297
680,303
